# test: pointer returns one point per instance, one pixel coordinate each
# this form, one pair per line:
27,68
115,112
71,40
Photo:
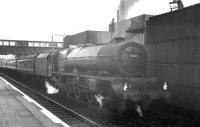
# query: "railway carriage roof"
44,55
27,57
5,60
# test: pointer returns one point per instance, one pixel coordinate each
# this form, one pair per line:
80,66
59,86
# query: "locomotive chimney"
112,26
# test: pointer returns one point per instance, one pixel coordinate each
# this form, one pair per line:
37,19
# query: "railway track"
66,114
71,114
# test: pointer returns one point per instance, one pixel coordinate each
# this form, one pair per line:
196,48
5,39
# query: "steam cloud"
99,99
124,7
139,110
51,89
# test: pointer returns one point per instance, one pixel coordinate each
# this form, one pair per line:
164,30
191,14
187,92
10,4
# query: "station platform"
17,111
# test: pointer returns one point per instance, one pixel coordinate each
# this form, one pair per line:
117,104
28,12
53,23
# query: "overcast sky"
39,19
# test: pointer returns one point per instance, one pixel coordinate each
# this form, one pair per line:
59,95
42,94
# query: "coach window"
24,64
30,65
27,64
1,43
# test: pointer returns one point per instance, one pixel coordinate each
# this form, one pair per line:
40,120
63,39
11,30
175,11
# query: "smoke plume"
124,7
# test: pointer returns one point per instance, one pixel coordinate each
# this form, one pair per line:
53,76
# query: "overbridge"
25,47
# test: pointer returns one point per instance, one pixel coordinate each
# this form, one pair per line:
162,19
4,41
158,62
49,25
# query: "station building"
132,29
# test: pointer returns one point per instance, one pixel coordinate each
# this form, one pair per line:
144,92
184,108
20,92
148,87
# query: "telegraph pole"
52,42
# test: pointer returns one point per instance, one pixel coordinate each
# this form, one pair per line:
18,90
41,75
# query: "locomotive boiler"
123,59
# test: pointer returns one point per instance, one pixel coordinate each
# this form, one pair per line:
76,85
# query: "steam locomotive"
95,73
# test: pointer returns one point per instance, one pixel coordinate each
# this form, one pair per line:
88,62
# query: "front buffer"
140,91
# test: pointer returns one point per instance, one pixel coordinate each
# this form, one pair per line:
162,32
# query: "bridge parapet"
24,47
26,43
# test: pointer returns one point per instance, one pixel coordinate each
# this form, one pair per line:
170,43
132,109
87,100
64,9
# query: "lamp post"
52,42
52,39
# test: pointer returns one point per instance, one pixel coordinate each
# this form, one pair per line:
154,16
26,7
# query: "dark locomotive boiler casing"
123,59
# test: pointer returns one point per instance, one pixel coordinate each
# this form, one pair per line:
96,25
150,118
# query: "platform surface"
16,111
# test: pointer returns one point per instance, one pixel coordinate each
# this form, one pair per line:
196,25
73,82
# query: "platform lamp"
52,41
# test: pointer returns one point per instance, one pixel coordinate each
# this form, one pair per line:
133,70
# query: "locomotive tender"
95,73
